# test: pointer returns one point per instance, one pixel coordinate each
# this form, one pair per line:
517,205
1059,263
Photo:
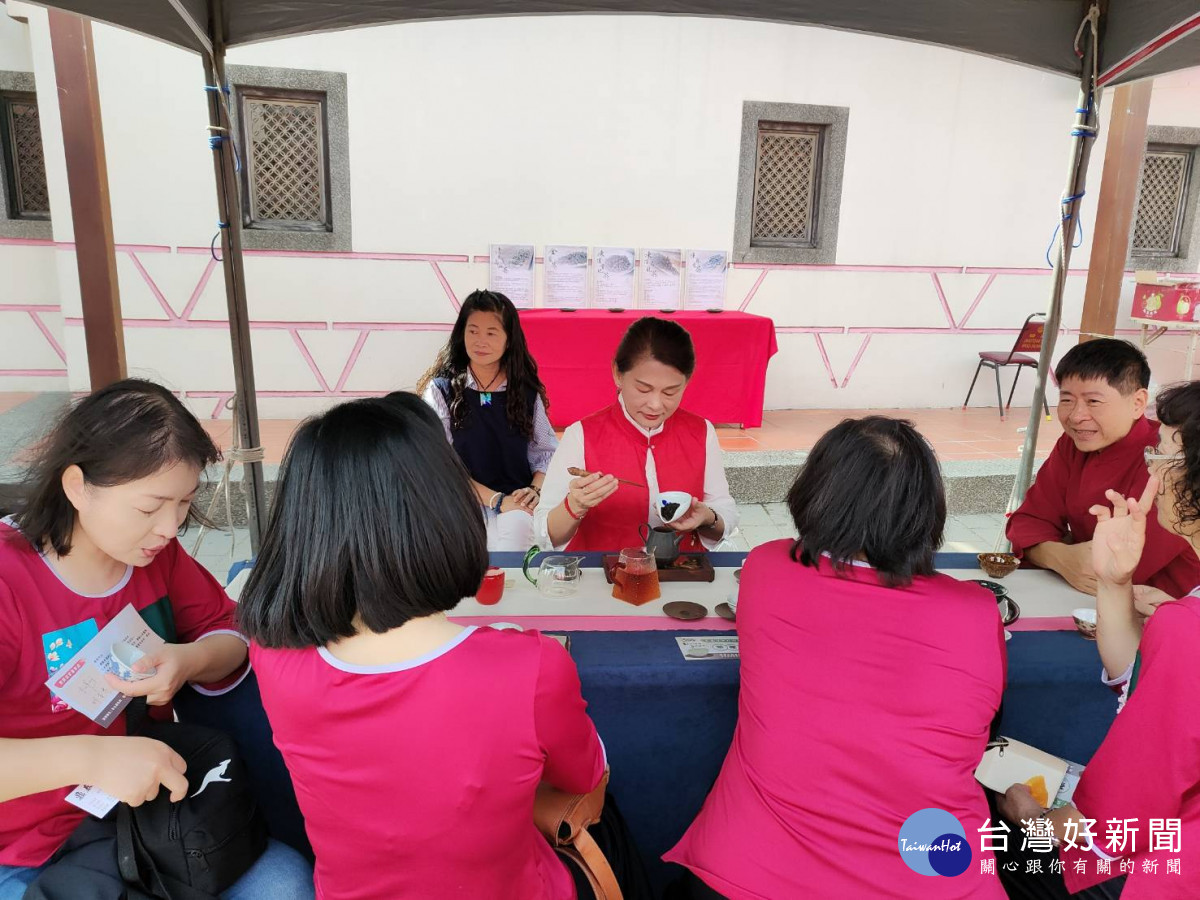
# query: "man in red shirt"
1102,402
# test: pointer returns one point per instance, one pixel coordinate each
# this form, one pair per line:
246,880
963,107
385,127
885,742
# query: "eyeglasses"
1151,455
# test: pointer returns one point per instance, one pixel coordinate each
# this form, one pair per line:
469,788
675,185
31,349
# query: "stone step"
758,476
972,487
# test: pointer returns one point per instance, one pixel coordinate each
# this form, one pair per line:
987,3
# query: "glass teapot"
557,577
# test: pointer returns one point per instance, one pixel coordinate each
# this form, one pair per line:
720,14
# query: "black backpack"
198,847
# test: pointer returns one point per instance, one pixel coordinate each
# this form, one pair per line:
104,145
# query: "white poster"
565,273
615,278
704,283
511,272
661,278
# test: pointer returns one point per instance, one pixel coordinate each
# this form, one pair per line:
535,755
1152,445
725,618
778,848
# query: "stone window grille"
23,160
786,185
1162,201
285,155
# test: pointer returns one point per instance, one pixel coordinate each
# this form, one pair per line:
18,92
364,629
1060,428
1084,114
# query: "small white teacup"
677,503
1085,621
126,657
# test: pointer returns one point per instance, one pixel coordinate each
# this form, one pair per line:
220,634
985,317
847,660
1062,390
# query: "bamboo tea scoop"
580,473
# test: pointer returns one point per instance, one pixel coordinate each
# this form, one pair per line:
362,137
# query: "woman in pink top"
868,685
1139,797
415,744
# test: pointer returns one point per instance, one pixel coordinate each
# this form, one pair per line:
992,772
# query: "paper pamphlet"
661,278
510,271
92,800
80,682
615,275
692,648
704,284
565,275
1010,762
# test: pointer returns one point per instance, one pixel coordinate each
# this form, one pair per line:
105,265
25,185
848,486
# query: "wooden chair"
1029,341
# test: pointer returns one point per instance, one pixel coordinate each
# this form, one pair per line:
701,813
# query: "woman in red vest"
643,438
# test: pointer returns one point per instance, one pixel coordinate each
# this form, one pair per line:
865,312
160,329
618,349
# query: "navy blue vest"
494,454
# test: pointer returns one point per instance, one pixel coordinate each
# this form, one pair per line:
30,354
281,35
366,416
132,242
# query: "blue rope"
1085,130
1066,201
214,143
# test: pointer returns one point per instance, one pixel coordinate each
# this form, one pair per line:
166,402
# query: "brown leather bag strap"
564,819
600,873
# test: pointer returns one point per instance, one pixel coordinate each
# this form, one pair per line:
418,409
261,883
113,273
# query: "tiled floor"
10,400
956,434
769,521
760,523
975,433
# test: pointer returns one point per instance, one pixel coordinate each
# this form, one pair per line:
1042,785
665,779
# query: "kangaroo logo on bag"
200,846
214,774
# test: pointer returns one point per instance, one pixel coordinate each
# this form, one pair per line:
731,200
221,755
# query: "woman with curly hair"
1148,768
485,388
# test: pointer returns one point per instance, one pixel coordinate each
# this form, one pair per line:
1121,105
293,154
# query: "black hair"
1179,407
374,516
660,339
1122,365
519,366
118,434
870,488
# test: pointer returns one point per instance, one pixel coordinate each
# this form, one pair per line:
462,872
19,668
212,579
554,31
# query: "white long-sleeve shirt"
541,446
570,454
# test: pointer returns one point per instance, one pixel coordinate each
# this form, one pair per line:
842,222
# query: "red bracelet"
570,512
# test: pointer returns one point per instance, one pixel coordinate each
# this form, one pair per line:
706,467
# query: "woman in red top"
868,685
1139,797
415,744
648,442
94,533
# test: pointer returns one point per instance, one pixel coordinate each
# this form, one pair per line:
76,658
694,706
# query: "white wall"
14,46
31,327
598,130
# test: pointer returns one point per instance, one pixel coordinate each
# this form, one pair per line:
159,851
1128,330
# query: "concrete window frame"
834,122
332,85
33,229
1187,259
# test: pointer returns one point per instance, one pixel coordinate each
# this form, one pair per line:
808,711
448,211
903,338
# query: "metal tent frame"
1102,42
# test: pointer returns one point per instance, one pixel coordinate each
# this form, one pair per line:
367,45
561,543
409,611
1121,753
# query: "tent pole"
229,208
1083,136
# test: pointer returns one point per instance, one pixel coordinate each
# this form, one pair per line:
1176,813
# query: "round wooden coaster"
685,610
725,611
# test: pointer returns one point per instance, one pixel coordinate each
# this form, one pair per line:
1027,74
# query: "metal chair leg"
999,393
1013,389
972,387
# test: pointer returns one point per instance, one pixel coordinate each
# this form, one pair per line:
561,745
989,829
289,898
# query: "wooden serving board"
690,567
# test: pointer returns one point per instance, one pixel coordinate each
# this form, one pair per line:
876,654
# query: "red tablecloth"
574,352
